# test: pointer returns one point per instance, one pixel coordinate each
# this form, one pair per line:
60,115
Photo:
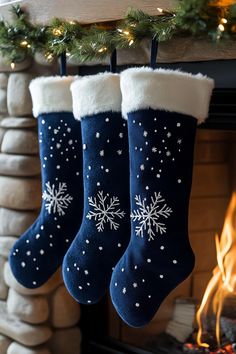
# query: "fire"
223,281
222,3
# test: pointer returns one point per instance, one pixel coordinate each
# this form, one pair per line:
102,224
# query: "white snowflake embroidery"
105,211
57,199
148,216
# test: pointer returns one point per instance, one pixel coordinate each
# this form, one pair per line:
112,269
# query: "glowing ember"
223,282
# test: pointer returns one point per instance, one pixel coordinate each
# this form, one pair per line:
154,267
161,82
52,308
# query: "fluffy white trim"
169,90
96,94
51,94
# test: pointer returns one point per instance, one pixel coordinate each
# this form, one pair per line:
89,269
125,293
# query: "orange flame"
223,281
222,3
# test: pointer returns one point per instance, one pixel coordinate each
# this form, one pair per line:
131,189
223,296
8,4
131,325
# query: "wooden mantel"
85,11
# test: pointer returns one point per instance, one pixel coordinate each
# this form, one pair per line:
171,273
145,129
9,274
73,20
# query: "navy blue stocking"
104,233
40,250
161,145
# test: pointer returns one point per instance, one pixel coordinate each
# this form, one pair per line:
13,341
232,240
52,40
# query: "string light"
223,20
49,56
221,27
13,65
24,43
160,10
103,49
57,32
131,42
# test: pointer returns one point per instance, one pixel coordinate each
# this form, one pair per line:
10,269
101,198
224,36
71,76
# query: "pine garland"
215,19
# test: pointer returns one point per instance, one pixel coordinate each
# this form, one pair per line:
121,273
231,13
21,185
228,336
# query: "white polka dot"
175,261
89,301
41,252
34,282
119,245
58,167
162,248
80,287
50,244
149,296
147,188
83,252
135,267
161,276
179,180
149,260
37,236
97,135
84,146
137,304
116,284
122,269
75,264
67,240
100,248
37,268
43,121
135,285
23,264
50,236
143,280
28,253
87,241
68,269
88,284
107,120
58,226
107,170
86,272
178,124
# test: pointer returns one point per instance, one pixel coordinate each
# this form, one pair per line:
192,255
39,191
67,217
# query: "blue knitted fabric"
104,233
159,255
39,252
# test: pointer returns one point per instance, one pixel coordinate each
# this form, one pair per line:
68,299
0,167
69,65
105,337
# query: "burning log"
228,327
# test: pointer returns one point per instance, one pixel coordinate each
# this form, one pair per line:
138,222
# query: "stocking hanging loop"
63,69
113,61
154,50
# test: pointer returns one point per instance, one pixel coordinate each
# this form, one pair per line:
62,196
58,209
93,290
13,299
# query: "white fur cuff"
51,94
168,90
96,94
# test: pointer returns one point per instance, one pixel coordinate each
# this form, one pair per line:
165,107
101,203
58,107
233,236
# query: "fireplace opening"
199,316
